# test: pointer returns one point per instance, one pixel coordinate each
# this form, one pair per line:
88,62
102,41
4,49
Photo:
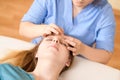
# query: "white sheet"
81,69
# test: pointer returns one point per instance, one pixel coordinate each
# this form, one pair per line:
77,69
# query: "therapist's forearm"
94,54
31,30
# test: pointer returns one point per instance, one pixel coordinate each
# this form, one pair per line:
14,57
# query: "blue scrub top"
10,72
94,24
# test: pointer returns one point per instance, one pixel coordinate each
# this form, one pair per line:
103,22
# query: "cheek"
64,53
42,48
44,45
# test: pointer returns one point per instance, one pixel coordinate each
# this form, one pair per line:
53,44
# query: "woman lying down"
52,59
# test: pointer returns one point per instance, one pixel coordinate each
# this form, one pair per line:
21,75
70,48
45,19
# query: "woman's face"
81,3
53,48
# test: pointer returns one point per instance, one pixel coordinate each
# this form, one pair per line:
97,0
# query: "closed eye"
63,43
60,41
48,39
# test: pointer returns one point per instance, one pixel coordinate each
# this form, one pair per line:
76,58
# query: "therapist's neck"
76,10
46,70
78,7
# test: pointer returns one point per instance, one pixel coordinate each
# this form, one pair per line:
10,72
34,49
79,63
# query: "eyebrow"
50,37
61,40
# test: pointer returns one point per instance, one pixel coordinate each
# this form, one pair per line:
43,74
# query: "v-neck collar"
69,12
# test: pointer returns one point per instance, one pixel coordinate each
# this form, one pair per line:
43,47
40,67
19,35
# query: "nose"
56,40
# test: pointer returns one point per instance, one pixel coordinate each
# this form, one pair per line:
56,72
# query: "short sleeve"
36,12
106,32
10,72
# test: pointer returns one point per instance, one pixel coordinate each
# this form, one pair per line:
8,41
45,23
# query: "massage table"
81,69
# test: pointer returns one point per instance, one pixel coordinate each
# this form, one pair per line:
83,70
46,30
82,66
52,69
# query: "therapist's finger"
47,33
72,49
60,30
71,43
69,38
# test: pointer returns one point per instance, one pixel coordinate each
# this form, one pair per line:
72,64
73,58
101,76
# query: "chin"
52,49
50,53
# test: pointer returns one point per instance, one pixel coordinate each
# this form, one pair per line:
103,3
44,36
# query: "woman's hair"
27,60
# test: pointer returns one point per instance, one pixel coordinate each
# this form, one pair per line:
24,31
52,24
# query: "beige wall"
115,4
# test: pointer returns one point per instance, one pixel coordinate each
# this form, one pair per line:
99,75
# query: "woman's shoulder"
6,65
10,67
13,72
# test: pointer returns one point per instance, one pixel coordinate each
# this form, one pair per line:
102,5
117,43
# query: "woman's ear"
68,63
36,55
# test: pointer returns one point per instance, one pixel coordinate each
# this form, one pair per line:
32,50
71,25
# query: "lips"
54,46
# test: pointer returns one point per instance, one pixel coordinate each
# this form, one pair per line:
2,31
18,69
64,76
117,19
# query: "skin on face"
81,3
53,48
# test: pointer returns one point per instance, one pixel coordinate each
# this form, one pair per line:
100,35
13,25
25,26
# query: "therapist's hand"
52,29
74,44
